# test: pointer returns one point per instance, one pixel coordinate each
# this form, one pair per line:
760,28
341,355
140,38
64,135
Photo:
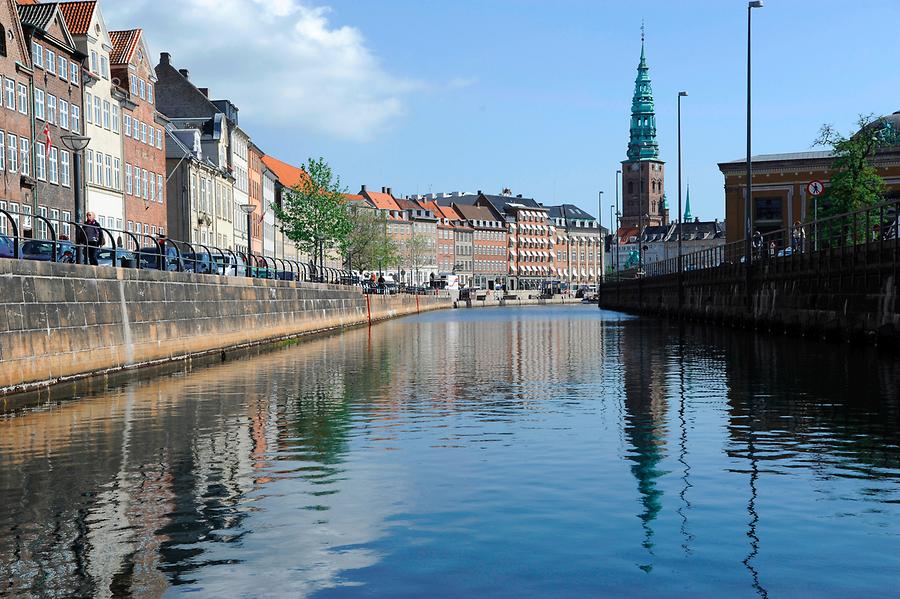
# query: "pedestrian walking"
798,237
93,237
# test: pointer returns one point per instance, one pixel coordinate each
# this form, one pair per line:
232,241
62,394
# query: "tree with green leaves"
313,214
855,183
417,248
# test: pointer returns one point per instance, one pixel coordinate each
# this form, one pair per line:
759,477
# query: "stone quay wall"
843,294
64,321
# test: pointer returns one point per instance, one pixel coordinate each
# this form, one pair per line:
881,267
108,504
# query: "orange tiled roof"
383,201
78,15
289,176
124,44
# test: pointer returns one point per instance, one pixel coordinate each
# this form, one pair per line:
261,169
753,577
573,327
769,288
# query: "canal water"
559,451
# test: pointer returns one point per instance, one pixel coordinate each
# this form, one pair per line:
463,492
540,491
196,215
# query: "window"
194,191
63,114
106,117
115,118
127,178
39,104
137,181
134,85
64,168
152,182
150,93
143,89
98,168
88,102
25,155
74,71
127,119
23,98
104,67
116,174
95,62
40,161
13,145
144,176
51,108
130,227
90,166
159,138
51,62
76,119
107,172
2,151
54,165
63,70
159,188
150,135
98,111
10,94
144,132
66,227
37,53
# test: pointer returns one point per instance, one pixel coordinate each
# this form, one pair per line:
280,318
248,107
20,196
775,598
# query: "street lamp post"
616,236
248,209
77,144
748,200
599,235
680,214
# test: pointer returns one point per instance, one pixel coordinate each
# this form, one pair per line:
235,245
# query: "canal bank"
60,322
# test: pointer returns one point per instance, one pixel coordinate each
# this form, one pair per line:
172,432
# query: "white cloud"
282,62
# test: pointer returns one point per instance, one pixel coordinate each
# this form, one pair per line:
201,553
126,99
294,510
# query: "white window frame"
144,177
62,70
23,98
53,170
25,154
159,189
115,118
107,116
74,73
37,54
128,186
98,111
107,170
50,62
51,109
13,151
75,126
117,174
90,165
127,122
64,173
10,86
40,161
39,104
63,114
89,103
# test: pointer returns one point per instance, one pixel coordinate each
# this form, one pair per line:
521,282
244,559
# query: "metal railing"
850,233
51,241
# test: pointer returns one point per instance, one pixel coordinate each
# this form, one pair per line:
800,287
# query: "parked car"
124,258
42,250
467,293
7,247
230,266
152,257
200,262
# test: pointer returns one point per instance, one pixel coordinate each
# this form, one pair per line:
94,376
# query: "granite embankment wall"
65,321
839,295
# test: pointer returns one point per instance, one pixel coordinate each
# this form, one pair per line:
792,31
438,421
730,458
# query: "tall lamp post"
680,214
618,214
748,200
248,209
599,235
77,144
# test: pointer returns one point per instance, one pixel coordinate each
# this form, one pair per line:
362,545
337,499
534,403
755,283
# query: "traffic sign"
815,188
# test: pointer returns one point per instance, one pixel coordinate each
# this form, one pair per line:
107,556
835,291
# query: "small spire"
688,217
642,41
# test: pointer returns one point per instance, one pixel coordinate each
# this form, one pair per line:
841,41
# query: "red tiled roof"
289,176
124,44
78,15
382,201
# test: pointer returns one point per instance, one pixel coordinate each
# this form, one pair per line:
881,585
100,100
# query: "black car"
43,251
124,258
7,247
153,257
200,262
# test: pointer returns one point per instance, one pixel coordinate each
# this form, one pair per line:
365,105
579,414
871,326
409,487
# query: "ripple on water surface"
501,452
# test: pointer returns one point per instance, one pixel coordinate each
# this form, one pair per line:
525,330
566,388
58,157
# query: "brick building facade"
144,152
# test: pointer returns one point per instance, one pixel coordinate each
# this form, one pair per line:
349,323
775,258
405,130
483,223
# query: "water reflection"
538,451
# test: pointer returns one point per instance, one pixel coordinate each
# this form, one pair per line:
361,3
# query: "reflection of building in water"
646,408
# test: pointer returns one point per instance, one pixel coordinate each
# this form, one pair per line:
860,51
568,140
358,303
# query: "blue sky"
465,95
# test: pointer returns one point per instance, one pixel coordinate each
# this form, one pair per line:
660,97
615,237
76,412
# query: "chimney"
204,91
479,192
165,58
518,195
388,191
383,189
362,190
184,73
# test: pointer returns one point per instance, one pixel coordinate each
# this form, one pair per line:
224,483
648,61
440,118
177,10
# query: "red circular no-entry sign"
815,188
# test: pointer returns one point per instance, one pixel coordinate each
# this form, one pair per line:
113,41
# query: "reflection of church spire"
645,404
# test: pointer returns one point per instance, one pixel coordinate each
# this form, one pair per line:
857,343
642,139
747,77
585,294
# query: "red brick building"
56,104
15,116
143,127
490,262
255,194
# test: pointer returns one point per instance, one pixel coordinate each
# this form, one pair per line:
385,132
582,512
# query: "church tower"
643,173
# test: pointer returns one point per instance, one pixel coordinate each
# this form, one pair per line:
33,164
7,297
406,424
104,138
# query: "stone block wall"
63,321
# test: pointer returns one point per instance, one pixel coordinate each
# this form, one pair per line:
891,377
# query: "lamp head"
755,4
248,208
76,143
682,94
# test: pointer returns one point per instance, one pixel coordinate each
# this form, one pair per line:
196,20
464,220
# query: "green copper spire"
688,217
642,145
665,202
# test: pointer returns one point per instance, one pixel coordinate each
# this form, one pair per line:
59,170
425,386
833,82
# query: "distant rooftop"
785,156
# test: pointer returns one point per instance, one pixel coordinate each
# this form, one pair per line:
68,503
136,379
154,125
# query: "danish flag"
47,138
